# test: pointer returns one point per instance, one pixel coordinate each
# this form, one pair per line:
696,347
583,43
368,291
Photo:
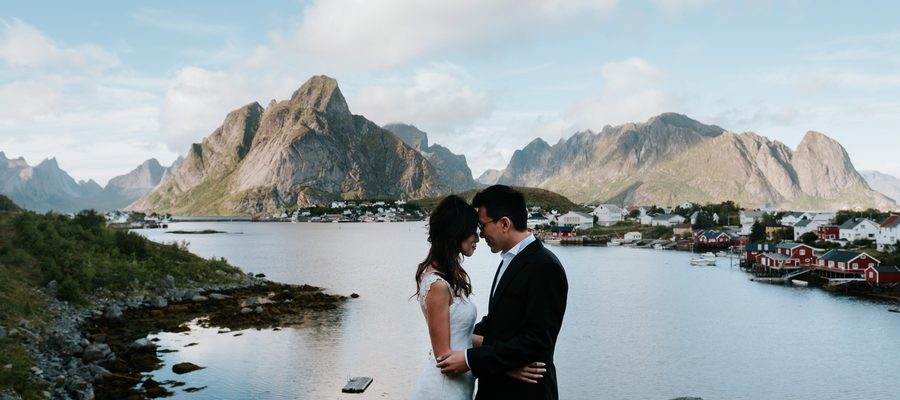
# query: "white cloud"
357,34
28,99
630,94
433,100
196,102
678,6
22,45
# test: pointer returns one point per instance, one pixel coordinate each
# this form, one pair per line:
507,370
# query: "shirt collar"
518,247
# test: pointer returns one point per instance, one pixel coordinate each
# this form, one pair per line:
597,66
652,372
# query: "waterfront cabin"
804,254
608,214
828,232
752,251
888,234
858,228
563,231
883,274
844,261
714,238
577,219
778,261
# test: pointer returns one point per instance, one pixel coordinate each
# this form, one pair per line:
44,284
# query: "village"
797,247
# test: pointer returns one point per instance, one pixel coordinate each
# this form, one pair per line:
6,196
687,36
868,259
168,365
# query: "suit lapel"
516,266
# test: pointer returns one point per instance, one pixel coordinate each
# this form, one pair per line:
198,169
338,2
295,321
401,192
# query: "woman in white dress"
443,290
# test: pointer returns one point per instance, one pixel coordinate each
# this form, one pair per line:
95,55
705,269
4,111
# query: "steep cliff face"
452,169
306,150
672,158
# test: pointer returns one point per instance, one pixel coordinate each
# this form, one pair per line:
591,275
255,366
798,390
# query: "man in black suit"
526,308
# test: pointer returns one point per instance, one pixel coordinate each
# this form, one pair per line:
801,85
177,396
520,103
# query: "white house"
632,237
575,218
536,218
715,217
804,226
858,228
888,234
608,214
662,220
791,218
747,220
823,218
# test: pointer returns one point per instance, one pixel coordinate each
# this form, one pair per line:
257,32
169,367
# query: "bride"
443,292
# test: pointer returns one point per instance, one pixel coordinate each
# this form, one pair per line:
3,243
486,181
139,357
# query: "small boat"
658,246
703,261
894,309
708,254
614,242
799,282
552,240
723,254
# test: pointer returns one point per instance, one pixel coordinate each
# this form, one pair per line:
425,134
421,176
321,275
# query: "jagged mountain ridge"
299,152
452,169
672,158
46,187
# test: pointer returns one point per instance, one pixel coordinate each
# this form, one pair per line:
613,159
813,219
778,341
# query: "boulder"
142,345
159,302
113,312
199,299
185,367
219,296
95,352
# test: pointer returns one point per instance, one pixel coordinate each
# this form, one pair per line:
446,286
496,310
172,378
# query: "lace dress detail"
432,383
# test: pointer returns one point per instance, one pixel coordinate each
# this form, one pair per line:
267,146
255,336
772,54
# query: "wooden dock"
357,384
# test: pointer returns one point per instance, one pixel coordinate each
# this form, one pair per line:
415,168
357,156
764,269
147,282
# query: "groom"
526,308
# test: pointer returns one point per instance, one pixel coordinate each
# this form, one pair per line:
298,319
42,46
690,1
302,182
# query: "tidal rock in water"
185,367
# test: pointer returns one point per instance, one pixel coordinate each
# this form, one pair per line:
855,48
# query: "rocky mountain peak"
675,120
321,93
409,134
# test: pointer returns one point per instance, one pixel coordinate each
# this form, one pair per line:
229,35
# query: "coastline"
102,351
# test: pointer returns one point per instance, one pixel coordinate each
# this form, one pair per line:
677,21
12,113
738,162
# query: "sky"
103,86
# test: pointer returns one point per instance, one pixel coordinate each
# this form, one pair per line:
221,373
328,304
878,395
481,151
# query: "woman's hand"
477,340
529,373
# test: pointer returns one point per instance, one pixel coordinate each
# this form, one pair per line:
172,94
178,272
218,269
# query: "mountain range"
47,187
310,149
671,159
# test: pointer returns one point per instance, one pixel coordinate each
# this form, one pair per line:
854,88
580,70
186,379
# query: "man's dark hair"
503,201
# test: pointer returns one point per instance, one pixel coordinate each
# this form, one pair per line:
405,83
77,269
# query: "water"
641,324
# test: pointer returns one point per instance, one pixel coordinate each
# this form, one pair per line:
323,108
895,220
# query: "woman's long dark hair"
452,221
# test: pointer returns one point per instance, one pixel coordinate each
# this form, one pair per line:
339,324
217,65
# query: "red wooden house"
752,251
829,232
803,253
778,261
882,274
846,262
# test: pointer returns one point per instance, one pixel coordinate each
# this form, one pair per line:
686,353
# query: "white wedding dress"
432,383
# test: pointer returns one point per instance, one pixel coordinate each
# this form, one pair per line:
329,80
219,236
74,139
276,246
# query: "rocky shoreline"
102,352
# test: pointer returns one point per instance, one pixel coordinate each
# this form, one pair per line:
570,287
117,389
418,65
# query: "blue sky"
103,86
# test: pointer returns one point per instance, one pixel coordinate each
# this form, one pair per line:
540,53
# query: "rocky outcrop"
672,158
303,151
452,169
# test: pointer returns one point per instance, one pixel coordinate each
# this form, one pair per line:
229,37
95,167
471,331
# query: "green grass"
84,257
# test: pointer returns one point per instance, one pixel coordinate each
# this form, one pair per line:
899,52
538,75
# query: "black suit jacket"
523,320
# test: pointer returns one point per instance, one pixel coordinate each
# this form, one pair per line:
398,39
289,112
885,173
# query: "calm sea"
641,324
